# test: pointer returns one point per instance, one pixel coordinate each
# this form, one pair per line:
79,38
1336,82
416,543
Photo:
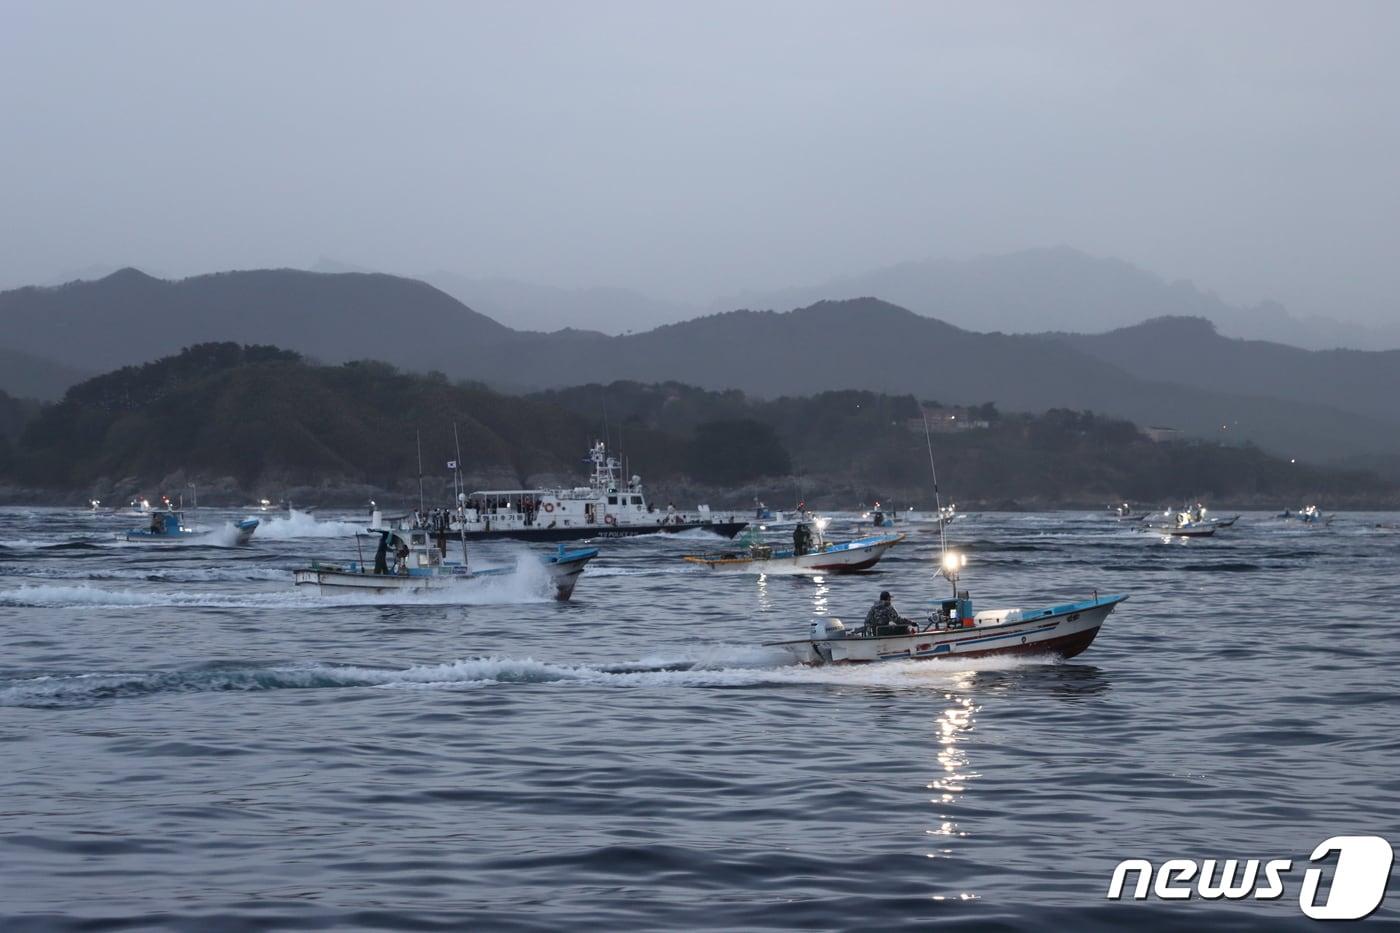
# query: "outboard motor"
823,629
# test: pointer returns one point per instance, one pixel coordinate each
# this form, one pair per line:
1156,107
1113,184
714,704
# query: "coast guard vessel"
605,508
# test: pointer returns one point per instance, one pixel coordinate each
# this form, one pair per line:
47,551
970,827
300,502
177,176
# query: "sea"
189,742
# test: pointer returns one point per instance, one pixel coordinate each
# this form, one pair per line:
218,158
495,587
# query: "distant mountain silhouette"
874,345
129,317
1335,410
1190,350
524,306
1062,289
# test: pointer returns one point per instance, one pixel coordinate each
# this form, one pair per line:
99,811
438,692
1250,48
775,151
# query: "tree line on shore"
261,418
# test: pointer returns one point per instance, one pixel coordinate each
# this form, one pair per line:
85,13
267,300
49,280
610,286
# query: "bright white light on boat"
953,562
822,523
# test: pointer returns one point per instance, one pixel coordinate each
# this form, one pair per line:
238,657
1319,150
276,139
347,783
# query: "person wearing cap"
883,619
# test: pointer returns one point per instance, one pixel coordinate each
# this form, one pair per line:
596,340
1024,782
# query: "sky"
693,150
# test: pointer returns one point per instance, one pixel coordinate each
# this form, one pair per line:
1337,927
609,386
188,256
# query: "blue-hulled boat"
167,526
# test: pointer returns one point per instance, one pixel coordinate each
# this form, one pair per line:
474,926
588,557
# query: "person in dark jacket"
884,619
381,555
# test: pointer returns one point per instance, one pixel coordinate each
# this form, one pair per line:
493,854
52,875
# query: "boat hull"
243,535
585,532
848,557
564,571
1063,631
1176,531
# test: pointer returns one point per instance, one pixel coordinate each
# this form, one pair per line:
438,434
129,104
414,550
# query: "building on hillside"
947,420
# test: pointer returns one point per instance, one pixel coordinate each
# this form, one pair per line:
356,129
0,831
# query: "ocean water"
188,742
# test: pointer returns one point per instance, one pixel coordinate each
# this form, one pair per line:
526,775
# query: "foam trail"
468,673
528,583
305,525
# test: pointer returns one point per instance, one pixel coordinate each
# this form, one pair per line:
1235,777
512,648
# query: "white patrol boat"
605,508
955,630
408,559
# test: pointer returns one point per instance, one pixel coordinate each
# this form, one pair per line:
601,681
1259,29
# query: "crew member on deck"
883,619
381,554
801,539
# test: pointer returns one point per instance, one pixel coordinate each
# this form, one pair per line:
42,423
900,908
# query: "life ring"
610,519
549,506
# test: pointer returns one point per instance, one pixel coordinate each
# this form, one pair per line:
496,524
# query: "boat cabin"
606,500
166,522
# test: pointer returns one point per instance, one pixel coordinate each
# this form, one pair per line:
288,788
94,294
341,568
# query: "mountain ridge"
864,343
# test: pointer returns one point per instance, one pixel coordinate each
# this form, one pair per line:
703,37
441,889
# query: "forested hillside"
245,421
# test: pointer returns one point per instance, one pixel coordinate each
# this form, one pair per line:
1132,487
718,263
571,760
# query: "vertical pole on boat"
418,436
937,502
607,430
194,492
457,485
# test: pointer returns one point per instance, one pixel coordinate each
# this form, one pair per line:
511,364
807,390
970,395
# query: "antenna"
938,503
457,485
457,473
607,432
418,436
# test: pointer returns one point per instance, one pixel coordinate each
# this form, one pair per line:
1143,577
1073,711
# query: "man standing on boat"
884,619
801,539
381,554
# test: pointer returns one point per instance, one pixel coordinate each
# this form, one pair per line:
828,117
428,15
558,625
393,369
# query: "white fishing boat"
844,557
1191,522
605,508
956,630
408,559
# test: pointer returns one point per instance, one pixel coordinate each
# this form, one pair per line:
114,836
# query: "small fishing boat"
168,526
1187,523
844,557
409,560
956,630
944,516
766,519
1309,515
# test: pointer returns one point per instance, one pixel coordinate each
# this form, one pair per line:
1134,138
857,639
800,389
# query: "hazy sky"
704,149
